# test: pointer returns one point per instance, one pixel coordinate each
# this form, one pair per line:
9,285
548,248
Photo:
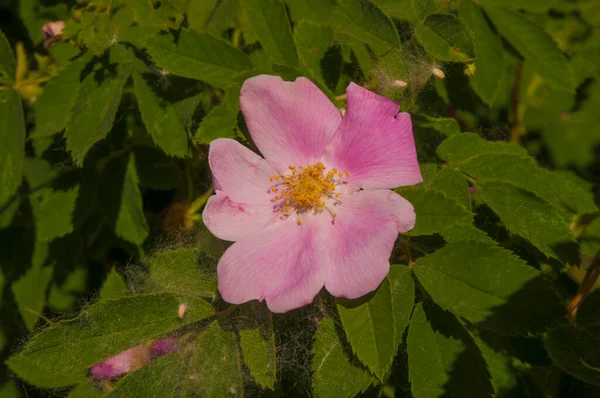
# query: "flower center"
307,188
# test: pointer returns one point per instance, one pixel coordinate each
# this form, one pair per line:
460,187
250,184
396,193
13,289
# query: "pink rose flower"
317,211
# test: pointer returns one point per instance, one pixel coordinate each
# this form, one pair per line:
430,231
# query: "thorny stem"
516,125
588,282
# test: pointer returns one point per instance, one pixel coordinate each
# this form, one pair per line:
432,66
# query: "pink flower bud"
163,347
122,363
52,29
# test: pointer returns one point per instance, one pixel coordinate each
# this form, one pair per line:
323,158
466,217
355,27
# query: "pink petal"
239,172
290,122
230,220
281,264
360,245
374,143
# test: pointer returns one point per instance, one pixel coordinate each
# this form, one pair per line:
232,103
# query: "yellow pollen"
306,188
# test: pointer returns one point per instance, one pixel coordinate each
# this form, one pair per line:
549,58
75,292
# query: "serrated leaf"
464,277
463,146
319,53
436,212
453,184
477,158
52,107
8,65
258,346
270,22
184,270
93,114
334,374
12,143
221,121
504,377
131,223
114,286
531,5
212,16
198,56
445,125
60,355
318,11
365,21
30,290
590,239
576,351
53,212
443,360
534,44
490,64
370,328
216,357
424,8
402,286
147,13
446,38
161,119
530,217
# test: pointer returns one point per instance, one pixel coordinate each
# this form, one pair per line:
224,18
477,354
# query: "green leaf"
60,355
113,287
463,277
334,374
590,239
443,360
467,145
564,190
52,107
30,290
446,38
318,11
424,8
436,212
131,222
184,270
453,184
162,377
12,143
402,286
534,44
530,5
258,346
93,114
198,56
445,125
504,377
490,64
270,22
370,328
529,216
576,351
213,16
216,359
85,390
318,52
8,65
363,20
161,119
53,211
149,14
221,121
